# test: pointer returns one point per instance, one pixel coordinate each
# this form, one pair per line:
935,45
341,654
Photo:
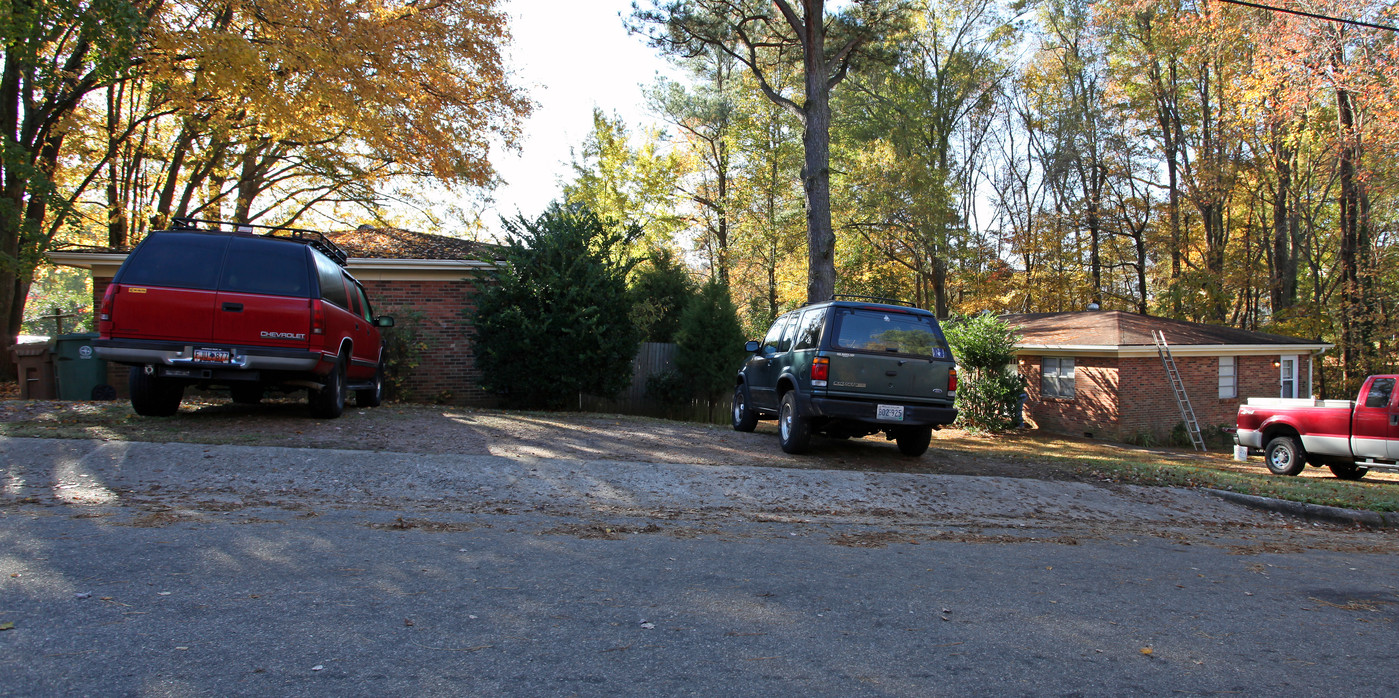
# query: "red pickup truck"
1349,437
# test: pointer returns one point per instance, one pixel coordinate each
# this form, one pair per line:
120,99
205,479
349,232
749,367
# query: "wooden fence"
651,359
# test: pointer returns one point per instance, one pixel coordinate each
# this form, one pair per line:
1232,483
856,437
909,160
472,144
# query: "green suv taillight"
820,371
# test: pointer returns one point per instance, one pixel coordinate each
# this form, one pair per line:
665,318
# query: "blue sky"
572,55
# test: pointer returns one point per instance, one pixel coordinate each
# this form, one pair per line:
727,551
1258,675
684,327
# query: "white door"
1288,377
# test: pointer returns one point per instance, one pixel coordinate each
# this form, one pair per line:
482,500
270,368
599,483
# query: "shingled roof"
366,242
1111,328
396,243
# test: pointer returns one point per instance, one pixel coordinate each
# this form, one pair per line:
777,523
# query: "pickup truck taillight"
317,317
820,371
951,381
108,299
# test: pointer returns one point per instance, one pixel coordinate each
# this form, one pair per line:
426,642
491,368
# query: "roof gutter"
1142,350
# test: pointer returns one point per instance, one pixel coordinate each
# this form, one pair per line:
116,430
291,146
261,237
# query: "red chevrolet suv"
249,312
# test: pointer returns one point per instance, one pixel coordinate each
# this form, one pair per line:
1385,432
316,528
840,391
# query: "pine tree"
710,344
557,322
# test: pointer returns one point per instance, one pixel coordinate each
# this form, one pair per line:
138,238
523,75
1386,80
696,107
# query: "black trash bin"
81,375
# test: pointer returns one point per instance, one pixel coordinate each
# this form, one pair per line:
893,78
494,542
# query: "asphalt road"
174,570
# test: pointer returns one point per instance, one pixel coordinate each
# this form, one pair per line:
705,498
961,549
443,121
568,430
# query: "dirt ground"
409,428
466,431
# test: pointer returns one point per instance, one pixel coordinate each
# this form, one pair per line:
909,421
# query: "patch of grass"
1162,468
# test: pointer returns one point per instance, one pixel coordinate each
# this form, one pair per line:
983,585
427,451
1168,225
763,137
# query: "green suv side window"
809,329
787,334
774,337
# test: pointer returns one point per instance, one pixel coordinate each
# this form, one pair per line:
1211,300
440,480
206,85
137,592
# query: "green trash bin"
81,375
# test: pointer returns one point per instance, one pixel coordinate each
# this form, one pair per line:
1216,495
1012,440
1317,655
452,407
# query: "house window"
1057,377
1228,380
1288,377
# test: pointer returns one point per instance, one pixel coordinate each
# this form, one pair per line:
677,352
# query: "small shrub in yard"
708,351
403,351
988,394
557,322
709,345
660,293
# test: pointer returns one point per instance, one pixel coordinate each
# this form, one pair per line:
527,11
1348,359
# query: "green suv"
850,367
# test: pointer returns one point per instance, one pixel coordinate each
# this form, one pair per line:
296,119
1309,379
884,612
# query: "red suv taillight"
951,381
108,299
820,371
317,317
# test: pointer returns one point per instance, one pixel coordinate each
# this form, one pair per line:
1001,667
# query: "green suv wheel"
913,441
745,418
792,427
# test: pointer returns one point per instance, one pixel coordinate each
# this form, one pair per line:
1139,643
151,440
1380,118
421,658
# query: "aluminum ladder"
1187,413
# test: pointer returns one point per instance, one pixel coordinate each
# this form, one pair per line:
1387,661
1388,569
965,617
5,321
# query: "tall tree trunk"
1282,278
816,174
117,229
161,219
1354,240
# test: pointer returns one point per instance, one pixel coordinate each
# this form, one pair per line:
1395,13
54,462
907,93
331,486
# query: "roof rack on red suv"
313,238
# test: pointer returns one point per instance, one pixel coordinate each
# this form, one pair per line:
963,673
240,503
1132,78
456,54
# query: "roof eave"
1140,350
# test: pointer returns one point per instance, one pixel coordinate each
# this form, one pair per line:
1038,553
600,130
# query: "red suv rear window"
274,268
177,260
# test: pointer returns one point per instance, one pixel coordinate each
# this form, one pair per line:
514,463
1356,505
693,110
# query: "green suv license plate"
893,413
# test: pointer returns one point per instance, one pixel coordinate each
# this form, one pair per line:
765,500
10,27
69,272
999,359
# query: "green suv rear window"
861,329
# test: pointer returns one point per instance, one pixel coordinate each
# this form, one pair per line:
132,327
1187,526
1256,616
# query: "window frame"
1388,395
811,319
939,351
779,328
1229,383
1053,382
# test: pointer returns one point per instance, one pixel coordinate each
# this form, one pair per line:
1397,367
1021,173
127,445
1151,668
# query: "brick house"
424,280
1098,373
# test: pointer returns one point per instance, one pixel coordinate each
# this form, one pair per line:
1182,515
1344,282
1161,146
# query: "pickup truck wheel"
792,429
1348,471
744,417
246,393
329,401
913,441
152,396
1285,456
372,397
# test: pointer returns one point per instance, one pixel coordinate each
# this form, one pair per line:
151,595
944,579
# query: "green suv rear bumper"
863,411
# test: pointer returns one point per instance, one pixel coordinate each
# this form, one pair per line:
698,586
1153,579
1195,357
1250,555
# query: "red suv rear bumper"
181,354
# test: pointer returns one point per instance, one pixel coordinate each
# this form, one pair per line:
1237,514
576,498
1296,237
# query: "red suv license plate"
211,356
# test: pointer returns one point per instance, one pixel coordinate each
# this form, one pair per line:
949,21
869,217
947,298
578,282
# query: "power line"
1312,15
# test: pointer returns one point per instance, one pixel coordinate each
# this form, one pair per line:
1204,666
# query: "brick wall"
1093,409
1125,398
447,369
